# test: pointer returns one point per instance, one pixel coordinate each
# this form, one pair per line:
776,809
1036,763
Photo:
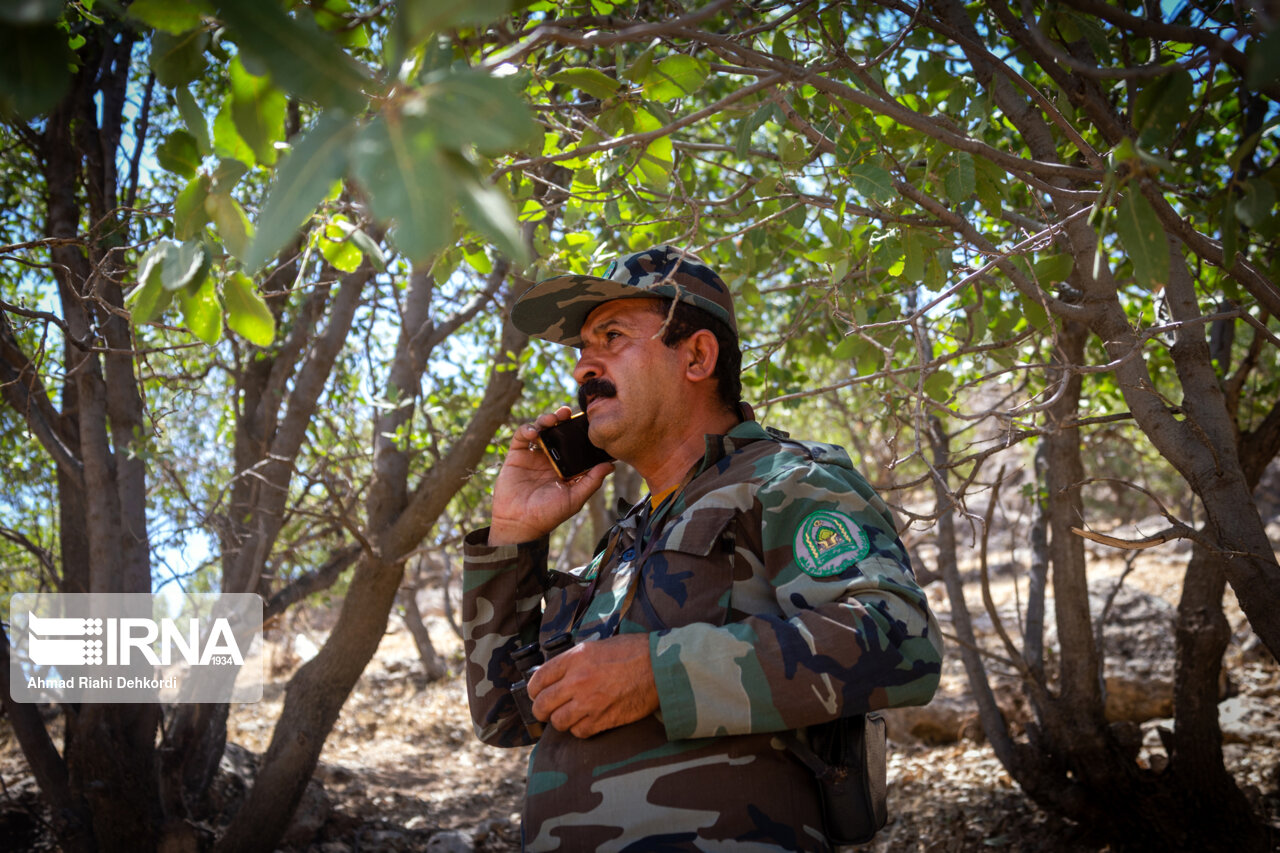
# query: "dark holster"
847,756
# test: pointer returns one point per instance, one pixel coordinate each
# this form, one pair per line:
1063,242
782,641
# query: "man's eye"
611,335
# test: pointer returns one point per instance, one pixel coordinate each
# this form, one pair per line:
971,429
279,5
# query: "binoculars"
528,659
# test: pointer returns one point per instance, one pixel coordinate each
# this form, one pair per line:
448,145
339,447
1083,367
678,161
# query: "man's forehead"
618,310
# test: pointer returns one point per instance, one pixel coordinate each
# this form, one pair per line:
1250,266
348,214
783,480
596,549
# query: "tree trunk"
109,750
1203,447
1219,816
435,666
69,812
1081,689
1038,569
313,699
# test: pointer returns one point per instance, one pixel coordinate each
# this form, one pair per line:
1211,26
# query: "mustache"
594,387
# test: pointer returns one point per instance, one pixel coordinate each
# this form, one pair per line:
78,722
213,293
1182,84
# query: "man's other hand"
596,685
529,499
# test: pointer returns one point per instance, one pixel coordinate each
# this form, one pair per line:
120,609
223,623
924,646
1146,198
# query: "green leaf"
961,181
257,108
177,59
189,215
674,77
173,265
478,259
847,348
28,13
938,385
792,149
489,212
1095,35
228,174
658,158
147,300
589,80
171,16
201,310
302,58
638,70
194,118
1054,268
395,159
1257,204
748,127
370,248
232,224
302,181
913,256
1264,61
187,267
781,46
872,182
416,20
337,246
247,313
227,141
1143,240
1160,108
473,108
152,260
178,153
35,70
1034,313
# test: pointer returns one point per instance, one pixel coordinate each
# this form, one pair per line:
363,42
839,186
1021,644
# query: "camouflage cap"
556,308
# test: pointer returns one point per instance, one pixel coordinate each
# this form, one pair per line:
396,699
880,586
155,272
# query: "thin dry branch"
1168,535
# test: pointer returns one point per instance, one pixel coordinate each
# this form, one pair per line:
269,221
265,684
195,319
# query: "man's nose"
586,368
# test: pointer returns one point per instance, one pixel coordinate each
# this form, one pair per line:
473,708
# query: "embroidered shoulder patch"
827,542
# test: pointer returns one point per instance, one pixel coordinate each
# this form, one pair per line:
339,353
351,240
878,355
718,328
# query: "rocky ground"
402,770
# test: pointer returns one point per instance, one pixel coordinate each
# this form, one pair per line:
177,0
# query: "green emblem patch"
593,568
827,542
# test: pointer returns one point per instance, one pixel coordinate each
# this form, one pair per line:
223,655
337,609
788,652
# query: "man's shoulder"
813,451
783,452
792,468
772,459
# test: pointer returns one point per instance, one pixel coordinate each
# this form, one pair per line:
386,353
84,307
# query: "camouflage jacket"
776,595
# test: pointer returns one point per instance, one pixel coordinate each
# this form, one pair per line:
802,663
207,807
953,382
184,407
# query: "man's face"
627,377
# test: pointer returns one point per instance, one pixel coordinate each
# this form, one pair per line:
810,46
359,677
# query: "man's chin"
601,429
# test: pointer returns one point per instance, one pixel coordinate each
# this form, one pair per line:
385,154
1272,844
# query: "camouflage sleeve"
501,610
845,628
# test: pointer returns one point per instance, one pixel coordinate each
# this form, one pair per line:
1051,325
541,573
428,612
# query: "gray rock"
450,841
1248,719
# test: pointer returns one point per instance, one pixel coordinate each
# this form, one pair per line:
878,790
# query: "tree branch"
1249,276
312,582
647,136
43,555
437,488
892,109
21,387
1218,47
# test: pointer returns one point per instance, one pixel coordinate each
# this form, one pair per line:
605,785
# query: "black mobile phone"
569,449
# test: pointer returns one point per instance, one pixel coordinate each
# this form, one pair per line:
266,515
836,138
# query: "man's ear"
702,350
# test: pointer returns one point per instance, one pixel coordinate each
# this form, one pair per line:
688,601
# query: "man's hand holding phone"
529,498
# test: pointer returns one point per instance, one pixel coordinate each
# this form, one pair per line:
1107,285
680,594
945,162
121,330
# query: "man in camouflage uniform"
760,589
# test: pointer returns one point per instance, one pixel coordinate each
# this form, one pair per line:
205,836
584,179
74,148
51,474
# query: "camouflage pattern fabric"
556,308
776,595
